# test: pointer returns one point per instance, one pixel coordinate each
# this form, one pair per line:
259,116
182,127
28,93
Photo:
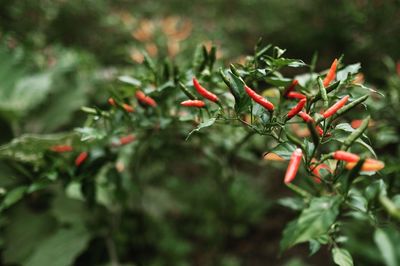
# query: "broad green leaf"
13,196
314,247
68,210
313,222
284,150
90,133
28,92
386,247
31,148
130,80
348,70
61,248
205,124
292,203
283,62
242,100
342,257
23,233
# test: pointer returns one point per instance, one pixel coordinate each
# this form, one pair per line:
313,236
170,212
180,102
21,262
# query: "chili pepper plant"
295,118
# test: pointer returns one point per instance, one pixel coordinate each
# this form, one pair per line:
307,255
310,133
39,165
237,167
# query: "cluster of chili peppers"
340,155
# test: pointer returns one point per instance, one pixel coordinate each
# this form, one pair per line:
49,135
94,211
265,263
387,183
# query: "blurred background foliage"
57,56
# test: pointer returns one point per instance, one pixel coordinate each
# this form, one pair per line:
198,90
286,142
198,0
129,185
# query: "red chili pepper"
126,139
334,108
316,170
307,118
143,98
128,108
61,148
193,103
291,87
295,110
293,167
111,101
331,74
81,158
346,156
295,95
204,92
259,99
321,131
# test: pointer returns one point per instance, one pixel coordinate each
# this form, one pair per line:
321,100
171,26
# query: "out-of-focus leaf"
284,150
31,148
61,248
13,196
292,203
28,93
90,133
350,69
205,124
130,80
342,257
386,247
313,222
23,234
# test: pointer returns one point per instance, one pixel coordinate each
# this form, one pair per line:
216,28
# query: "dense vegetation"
100,164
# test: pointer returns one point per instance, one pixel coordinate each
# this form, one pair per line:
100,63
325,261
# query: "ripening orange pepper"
127,108
368,166
331,74
334,108
111,101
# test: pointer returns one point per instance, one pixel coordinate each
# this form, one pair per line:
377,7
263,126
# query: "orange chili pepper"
331,74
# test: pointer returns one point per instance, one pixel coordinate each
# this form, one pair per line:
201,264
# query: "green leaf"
292,203
348,70
13,197
130,80
28,93
284,150
314,247
386,247
31,148
242,100
313,222
24,233
342,257
60,249
205,124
